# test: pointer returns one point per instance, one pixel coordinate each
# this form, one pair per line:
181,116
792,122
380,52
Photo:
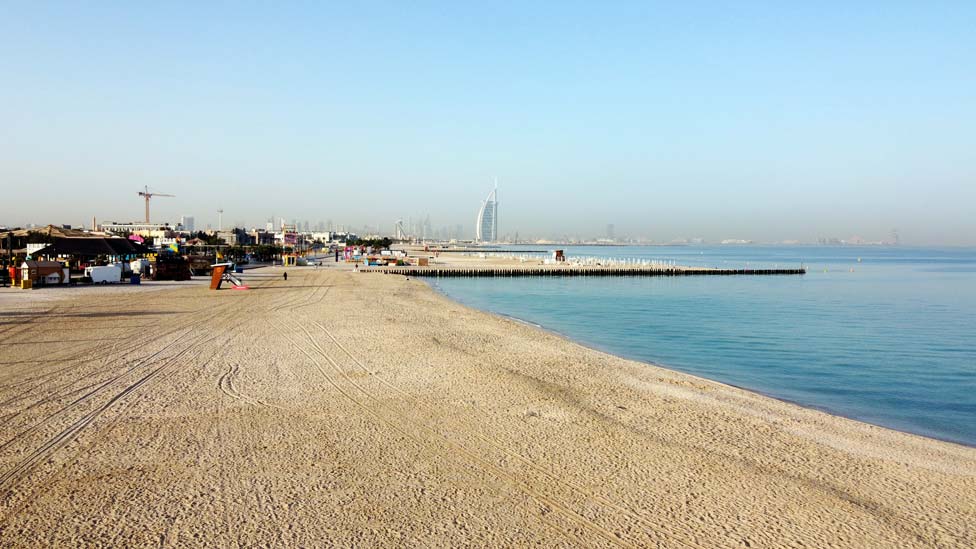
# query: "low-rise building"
229,237
154,230
263,238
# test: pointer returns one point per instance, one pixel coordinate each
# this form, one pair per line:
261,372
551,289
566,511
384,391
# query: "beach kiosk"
44,272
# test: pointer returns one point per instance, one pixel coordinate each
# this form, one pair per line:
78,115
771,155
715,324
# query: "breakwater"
581,270
486,251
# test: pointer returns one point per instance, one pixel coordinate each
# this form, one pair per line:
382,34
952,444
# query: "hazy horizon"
757,122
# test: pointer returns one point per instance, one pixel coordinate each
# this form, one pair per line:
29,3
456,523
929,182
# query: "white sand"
353,409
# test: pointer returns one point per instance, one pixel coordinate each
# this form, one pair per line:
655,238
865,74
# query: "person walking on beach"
285,275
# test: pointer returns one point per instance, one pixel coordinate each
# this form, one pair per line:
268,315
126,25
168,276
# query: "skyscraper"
487,226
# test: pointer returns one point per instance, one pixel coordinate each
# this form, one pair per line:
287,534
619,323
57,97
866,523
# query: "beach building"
154,230
262,238
319,236
487,226
230,237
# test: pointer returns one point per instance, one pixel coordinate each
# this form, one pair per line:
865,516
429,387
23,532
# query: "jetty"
486,251
572,270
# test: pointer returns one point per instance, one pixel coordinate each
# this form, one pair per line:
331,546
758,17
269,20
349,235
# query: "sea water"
885,335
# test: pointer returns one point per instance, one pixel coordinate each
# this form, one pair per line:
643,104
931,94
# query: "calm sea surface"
892,342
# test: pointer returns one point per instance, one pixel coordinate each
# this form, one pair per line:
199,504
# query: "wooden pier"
582,270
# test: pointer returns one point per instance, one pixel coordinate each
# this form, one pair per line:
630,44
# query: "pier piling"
588,270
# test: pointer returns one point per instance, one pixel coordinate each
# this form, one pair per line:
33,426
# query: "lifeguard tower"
223,272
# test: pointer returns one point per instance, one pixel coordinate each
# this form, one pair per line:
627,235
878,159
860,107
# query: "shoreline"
432,283
623,356
344,409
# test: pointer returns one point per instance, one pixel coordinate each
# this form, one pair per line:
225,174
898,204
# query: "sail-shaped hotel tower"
487,226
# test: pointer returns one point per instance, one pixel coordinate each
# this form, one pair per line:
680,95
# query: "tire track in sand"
29,462
187,325
71,432
88,355
226,385
183,331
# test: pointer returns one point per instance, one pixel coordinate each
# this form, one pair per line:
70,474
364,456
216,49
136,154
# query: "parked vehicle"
108,274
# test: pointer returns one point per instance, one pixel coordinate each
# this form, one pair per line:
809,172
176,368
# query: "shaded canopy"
52,231
92,247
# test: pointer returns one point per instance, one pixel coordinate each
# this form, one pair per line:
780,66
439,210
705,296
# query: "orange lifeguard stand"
219,274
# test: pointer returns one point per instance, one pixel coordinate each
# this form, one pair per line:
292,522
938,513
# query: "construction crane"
149,195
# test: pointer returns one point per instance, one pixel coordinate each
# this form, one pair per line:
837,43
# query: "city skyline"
422,228
765,123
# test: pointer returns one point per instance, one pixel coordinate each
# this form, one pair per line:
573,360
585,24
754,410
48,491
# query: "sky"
758,120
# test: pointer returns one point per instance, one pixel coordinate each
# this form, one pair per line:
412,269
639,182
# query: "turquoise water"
892,343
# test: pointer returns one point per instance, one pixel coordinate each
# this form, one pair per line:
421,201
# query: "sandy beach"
352,409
